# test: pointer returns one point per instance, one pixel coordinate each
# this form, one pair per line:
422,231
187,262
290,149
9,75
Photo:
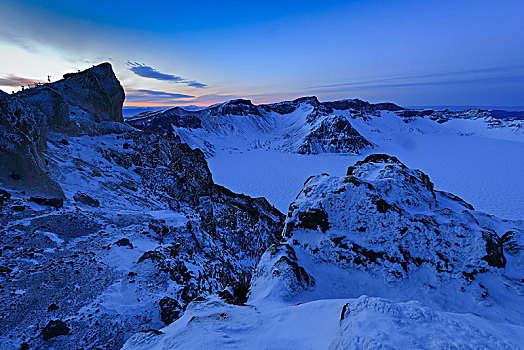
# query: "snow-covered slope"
142,230
374,259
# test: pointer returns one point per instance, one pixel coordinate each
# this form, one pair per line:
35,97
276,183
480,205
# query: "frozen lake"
488,173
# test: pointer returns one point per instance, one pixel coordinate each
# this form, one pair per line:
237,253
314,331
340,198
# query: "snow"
354,303
483,166
277,176
54,237
267,326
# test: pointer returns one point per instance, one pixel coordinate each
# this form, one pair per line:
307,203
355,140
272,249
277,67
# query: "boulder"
86,199
51,202
124,242
54,329
170,310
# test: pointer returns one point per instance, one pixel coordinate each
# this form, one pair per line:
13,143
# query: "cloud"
145,71
163,98
213,99
196,84
446,82
422,79
17,40
155,96
164,94
16,81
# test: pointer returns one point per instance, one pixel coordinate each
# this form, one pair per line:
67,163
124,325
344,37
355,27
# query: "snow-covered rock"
374,259
377,323
397,237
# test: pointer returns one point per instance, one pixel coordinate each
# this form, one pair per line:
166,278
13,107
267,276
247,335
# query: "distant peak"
312,100
239,101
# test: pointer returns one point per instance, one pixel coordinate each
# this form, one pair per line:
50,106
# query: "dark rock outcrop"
85,102
50,202
86,199
22,140
236,107
334,135
165,121
54,329
170,310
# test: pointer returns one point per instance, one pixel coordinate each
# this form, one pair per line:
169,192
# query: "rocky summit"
88,102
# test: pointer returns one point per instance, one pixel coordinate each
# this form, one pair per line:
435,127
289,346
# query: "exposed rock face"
52,104
22,140
167,165
87,98
334,135
236,107
286,107
170,310
387,222
85,102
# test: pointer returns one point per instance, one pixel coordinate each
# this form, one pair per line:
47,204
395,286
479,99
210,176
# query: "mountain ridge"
304,125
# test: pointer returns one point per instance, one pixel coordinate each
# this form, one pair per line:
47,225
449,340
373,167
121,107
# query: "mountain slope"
139,228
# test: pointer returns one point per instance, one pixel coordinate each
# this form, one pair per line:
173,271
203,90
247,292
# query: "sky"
423,52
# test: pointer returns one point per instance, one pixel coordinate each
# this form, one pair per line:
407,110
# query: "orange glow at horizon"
162,104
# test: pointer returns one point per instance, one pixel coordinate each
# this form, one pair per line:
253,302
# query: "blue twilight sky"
424,52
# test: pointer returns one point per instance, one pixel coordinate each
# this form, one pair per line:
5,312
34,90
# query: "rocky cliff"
22,140
88,102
